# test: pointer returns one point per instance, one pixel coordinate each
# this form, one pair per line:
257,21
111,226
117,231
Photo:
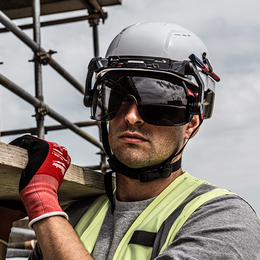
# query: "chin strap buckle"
163,172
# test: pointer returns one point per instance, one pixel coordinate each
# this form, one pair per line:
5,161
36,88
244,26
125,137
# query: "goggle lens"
159,102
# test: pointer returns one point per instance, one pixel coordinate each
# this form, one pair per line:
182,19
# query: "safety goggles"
160,100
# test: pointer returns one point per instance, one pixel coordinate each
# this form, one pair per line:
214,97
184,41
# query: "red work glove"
10,211
42,177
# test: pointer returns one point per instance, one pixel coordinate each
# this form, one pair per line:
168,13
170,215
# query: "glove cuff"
51,214
40,198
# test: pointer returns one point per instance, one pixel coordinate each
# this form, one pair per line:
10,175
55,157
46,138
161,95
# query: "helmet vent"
182,34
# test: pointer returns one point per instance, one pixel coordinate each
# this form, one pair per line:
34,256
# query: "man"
155,87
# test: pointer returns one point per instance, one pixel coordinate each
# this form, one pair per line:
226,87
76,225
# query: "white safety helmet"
158,47
166,69
157,39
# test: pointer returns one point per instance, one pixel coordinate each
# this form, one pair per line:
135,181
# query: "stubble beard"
147,155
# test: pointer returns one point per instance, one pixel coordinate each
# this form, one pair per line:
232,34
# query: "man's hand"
42,177
10,211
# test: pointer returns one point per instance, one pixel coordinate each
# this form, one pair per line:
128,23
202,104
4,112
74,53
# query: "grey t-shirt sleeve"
223,228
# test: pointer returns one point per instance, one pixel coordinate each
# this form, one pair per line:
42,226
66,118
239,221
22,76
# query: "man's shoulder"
231,204
226,213
225,227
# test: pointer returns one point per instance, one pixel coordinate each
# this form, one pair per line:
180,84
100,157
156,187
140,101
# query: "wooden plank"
78,182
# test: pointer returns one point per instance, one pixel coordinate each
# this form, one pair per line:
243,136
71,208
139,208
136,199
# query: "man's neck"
133,190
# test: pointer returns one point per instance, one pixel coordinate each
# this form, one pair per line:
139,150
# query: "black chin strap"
145,174
109,188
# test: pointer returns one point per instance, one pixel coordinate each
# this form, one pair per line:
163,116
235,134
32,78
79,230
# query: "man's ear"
191,126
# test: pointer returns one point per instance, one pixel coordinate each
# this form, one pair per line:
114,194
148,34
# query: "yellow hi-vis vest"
157,225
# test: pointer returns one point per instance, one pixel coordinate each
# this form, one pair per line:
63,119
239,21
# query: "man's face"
138,144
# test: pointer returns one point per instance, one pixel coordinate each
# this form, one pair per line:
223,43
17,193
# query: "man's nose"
132,115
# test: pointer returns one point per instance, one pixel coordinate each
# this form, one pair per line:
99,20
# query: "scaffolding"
17,9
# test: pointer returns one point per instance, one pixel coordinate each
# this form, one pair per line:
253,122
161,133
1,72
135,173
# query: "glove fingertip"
16,141
21,141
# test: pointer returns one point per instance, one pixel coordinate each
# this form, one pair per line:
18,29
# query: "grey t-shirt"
115,226
223,228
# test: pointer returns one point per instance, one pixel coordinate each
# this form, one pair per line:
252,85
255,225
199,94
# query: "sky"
225,152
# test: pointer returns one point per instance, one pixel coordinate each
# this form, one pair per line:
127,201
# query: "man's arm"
39,183
58,240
